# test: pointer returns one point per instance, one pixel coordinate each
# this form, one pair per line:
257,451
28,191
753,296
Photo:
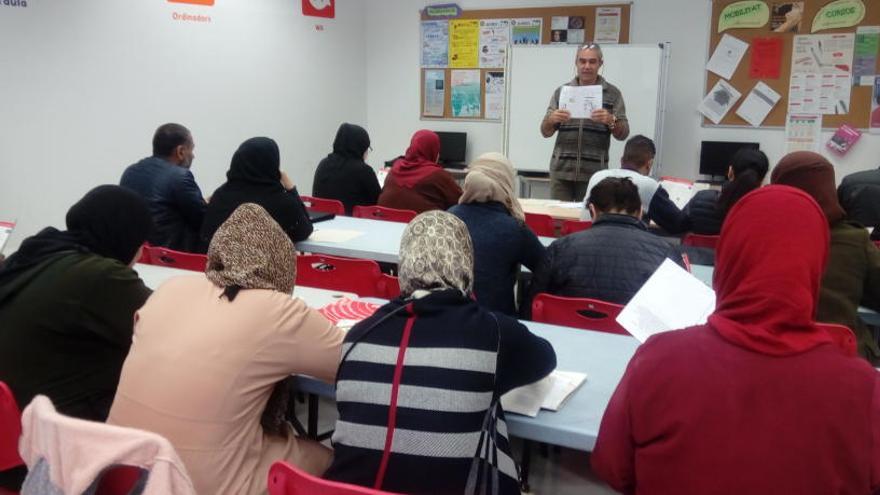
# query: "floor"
554,471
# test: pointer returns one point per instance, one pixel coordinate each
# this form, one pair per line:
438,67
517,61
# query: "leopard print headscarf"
436,253
251,251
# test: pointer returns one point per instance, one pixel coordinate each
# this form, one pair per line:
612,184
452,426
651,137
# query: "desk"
704,273
550,207
602,356
153,276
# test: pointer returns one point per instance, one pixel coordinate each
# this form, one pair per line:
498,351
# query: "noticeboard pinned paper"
727,56
759,102
719,101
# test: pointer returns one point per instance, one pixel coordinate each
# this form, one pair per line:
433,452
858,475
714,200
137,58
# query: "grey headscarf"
436,253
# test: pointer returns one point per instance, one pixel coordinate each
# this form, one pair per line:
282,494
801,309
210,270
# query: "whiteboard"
534,72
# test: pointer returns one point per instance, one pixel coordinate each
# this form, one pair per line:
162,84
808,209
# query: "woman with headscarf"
496,223
255,176
759,399
209,350
853,273
416,182
427,370
344,174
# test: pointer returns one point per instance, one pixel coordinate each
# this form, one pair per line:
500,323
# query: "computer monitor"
453,146
715,156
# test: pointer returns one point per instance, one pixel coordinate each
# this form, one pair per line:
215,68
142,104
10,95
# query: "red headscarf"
769,264
813,174
418,162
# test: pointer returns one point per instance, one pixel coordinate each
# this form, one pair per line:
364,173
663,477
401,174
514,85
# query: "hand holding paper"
580,100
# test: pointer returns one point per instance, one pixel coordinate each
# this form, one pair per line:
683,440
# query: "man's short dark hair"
639,150
616,193
168,137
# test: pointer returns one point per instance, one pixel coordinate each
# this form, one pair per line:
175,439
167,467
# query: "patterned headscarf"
436,253
251,251
491,178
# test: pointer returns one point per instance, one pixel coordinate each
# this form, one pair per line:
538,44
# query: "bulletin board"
859,108
588,14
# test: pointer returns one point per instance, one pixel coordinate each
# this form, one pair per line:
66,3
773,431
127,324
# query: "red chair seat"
383,213
541,224
286,479
324,205
699,240
572,226
10,429
589,314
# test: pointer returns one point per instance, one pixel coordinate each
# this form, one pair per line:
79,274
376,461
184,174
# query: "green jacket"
65,330
851,278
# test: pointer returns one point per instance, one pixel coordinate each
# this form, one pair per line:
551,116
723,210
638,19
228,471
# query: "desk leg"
524,466
313,417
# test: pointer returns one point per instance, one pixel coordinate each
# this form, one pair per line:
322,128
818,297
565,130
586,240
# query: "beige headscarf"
436,253
251,251
491,178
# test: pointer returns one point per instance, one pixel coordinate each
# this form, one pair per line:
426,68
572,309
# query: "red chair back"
286,479
383,213
176,259
119,480
699,240
362,277
589,314
541,224
10,429
324,205
572,226
843,337
145,254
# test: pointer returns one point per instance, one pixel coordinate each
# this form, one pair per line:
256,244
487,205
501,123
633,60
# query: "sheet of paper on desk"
671,299
571,205
679,192
548,393
334,235
580,100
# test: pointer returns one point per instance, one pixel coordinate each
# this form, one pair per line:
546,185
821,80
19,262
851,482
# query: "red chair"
877,243
589,314
362,277
572,226
541,224
176,259
699,240
286,479
383,213
145,254
324,205
843,337
10,429
119,480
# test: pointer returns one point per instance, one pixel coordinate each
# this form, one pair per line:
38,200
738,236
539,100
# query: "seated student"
456,359
612,260
635,164
67,299
416,182
344,174
496,223
852,276
758,399
707,209
859,195
165,181
208,351
255,176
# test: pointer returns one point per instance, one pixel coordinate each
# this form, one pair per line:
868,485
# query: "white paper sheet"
334,235
580,100
435,92
494,95
607,25
821,73
679,193
548,393
760,100
803,132
6,229
727,56
719,101
494,40
671,299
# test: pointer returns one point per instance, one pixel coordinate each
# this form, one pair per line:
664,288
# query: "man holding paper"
586,111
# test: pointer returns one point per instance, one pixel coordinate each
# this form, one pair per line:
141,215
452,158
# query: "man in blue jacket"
165,181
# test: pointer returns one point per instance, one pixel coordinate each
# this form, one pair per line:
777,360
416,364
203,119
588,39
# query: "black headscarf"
352,141
256,161
109,221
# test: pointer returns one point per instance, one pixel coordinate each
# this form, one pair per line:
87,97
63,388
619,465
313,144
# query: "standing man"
582,144
164,180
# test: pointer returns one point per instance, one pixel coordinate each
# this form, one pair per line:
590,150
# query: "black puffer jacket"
611,261
343,174
702,212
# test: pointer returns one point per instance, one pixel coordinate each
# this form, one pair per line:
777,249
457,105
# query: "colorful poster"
865,53
464,41
526,31
823,62
607,25
494,39
494,95
802,132
766,58
465,93
874,124
786,17
435,43
742,15
435,93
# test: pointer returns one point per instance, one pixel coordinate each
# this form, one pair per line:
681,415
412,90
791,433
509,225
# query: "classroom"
741,203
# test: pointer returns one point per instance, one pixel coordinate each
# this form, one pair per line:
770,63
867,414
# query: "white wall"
393,84
86,82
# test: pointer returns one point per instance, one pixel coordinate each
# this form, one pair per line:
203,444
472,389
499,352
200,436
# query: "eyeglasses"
590,46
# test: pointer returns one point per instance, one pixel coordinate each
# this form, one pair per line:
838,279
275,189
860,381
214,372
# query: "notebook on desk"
320,216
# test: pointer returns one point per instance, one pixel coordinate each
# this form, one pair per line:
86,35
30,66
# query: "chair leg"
313,417
525,464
